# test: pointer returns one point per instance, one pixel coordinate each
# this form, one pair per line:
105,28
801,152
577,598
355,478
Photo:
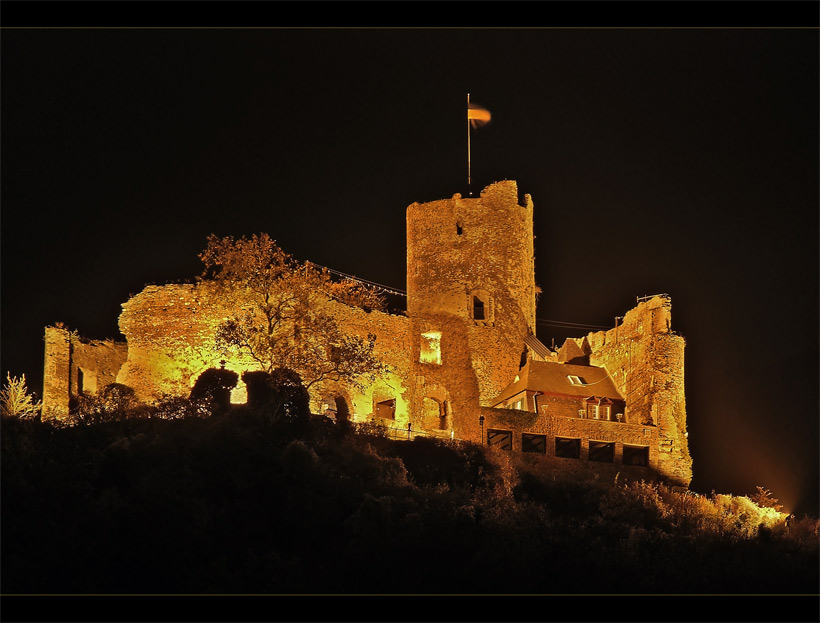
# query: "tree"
15,401
113,403
213,387
281,393
284,317
764,499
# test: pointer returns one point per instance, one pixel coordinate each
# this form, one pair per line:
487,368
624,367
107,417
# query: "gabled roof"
549,377
570,352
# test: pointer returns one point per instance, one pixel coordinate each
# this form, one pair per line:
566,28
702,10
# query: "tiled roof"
571,352
553,378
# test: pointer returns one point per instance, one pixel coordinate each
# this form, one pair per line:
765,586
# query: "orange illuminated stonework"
456,354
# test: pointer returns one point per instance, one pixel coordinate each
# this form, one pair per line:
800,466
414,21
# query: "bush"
115,402
15,401
214,387
280,394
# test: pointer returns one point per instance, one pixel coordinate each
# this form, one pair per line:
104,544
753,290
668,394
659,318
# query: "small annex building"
568,390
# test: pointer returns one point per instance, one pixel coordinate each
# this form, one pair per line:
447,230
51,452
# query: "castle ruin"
463,362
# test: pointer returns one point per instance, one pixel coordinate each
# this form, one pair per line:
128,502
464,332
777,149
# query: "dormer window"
575,380
592,406
606,409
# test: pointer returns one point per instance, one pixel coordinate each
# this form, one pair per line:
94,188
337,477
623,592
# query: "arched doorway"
435,413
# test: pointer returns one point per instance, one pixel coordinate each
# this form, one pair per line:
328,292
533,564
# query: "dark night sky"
674,160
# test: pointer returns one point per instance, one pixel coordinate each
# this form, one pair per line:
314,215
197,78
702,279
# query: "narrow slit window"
478,309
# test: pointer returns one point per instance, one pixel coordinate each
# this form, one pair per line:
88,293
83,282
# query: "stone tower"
471,297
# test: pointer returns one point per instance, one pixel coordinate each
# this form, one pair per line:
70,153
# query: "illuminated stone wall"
646,360
170,332
75,365
585,430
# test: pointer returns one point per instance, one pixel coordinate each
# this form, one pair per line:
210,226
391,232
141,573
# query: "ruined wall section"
170,332
645,359
393,347
56,373
74,366
457,247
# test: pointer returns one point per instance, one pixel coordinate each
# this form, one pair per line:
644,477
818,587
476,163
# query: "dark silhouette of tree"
287,318
214,387
113,402
279,393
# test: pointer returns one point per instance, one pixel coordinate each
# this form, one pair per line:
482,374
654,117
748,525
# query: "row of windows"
570,448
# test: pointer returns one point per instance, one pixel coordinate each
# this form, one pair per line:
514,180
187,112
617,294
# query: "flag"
477,116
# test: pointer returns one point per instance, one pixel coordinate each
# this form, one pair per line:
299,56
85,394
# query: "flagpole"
469,190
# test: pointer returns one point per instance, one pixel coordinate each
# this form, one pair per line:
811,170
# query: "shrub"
214,387
279,393
15,401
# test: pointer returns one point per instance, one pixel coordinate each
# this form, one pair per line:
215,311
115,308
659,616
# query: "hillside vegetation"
240,502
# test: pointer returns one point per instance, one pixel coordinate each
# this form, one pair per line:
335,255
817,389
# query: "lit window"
386,409
575,380
430,347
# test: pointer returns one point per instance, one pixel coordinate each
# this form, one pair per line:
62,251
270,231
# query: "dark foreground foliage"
244,503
